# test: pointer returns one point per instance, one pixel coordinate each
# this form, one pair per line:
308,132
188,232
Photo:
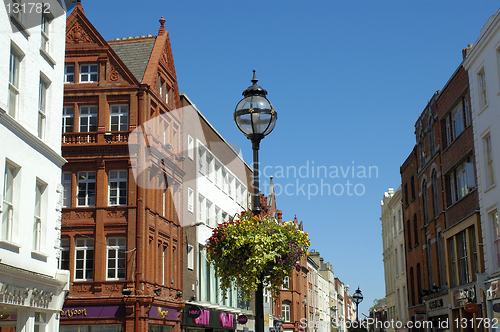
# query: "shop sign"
162,312
463,296
203,319
492,292
471,308
194,311
93,312
226,320
19,295
438,303
242,319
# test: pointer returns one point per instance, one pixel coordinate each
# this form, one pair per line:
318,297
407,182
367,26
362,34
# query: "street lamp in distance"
357,298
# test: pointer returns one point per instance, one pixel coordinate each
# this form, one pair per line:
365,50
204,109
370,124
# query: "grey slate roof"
135,55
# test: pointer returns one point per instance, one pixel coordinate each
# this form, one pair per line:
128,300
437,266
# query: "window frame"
91,114
88,73
118,177
9,202
488,161
87,181
14,81
68,74
42,106
66,116
87,248
45,32
285,311
120,112
481,80
38,216
119,248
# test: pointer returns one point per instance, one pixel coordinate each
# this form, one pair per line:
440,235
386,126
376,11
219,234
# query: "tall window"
45,32
285,310
430,262
69,73
116,258
8,202
68,119
412,184
415,229
118,117
396,261
84,259
412,287
408,233
286,282
453,260
88,118
425,201
481,79
489,169
86,189
14,64
190,255
457,120
88,73
37,224
117,183
66,183
461,181
493,216
42,105
64,258
464,275
190,200
40,322
190,147
435,193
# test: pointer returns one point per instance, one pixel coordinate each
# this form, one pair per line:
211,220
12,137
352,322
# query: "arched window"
415,229
408,232
425,201
435,193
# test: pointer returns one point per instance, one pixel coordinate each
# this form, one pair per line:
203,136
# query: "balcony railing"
95,138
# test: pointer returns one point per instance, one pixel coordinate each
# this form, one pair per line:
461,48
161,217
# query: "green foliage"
247,248
376,304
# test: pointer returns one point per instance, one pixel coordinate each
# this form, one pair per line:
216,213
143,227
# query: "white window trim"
117,248
121,112
190,200
85,248
68,74
68,113
190,254
86,181
119,177
88,112
89,73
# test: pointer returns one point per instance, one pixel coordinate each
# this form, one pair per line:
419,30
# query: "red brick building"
121,241
462,235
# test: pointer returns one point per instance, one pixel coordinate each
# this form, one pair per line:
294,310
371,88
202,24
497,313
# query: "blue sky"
348,79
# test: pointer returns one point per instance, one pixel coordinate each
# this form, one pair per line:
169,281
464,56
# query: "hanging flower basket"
247,249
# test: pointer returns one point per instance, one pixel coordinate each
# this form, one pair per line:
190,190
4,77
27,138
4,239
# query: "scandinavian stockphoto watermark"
311,180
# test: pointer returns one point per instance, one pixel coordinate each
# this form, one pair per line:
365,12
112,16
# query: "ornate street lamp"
357,298
255,117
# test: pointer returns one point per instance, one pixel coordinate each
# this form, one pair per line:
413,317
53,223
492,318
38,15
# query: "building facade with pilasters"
122,202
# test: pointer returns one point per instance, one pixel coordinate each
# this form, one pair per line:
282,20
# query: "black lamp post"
255,117
358,298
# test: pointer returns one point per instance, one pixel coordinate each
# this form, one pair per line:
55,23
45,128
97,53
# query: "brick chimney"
466,51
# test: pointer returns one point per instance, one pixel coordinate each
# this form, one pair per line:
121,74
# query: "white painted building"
32,43
483,66
394,256
216,189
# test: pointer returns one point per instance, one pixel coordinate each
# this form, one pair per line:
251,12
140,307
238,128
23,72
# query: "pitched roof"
135,54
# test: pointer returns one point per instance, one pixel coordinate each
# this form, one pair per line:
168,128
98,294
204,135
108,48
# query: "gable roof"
135,54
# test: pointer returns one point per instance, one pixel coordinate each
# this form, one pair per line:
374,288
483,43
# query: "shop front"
29,301
493,301
466,309
107,318
200,319
437,311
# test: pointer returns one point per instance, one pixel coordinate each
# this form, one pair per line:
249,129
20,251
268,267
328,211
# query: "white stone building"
483,66
394,257
32,43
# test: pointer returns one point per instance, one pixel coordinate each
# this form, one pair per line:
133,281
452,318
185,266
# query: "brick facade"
123,237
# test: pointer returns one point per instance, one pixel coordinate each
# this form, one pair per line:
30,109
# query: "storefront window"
159,328
91,328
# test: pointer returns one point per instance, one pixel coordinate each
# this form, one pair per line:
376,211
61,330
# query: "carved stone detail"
81,288
84,215
77,35
115,214
113,288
